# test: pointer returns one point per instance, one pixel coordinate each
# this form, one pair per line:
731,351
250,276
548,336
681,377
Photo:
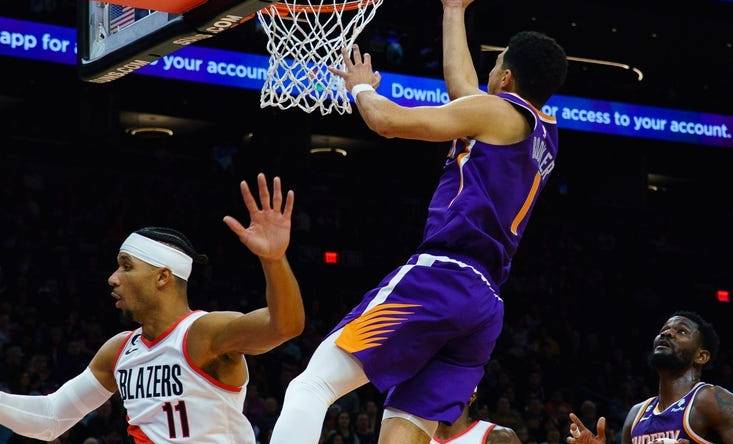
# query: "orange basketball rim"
183,6
284,8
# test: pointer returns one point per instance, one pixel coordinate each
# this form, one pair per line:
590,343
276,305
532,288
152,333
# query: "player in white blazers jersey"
182,374
469,431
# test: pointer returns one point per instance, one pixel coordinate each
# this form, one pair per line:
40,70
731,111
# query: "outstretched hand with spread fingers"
268,234
359,71
579,434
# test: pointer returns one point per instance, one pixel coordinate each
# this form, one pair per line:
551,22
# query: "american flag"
120,16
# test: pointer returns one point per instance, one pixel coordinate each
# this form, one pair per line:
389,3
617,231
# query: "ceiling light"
168,124
150,131
340,151
637,71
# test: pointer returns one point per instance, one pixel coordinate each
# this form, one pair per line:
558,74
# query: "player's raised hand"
579,434
456,3
357,71
268,234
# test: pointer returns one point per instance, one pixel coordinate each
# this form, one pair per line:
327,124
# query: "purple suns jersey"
672,423
486,193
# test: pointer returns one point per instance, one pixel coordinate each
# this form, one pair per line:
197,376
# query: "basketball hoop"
305,37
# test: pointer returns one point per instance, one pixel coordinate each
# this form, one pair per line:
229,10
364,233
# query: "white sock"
331,373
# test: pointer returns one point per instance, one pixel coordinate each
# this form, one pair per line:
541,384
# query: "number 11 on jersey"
181,409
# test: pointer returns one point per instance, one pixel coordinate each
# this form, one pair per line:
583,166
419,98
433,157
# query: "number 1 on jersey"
181,408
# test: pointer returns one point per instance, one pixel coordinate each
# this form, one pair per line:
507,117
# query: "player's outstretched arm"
267,236
47,417
487,116
458,70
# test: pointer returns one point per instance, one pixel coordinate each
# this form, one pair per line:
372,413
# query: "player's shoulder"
205,332
216,317
116,342
634,412
489,101
211,323
639,405
104,362
487,108
109,352
502,435
714,400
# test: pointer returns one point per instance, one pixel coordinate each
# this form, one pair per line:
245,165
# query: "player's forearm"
427,123
47,417
458,70
284,301
380,114
29,416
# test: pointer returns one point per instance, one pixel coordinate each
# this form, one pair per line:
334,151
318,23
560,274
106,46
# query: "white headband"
158,254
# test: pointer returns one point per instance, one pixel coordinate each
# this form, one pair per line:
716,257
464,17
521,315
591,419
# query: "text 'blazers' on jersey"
169,399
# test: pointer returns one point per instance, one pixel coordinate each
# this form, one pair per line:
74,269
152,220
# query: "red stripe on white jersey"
137,434
122,347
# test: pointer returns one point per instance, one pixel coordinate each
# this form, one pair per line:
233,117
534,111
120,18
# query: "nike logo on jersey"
133,342
152,381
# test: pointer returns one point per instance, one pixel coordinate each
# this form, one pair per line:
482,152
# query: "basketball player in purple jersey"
426,331
686,410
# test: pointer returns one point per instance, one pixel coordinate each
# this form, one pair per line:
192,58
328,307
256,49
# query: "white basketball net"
302,44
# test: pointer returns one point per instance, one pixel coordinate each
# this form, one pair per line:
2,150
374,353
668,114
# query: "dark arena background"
630,228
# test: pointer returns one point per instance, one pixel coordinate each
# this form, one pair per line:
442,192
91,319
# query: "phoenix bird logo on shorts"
368,330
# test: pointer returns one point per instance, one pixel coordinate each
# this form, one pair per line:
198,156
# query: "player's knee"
426,425
311,385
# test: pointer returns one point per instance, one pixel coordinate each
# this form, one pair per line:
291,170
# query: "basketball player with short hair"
182,375
469,431
686,409
426,331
